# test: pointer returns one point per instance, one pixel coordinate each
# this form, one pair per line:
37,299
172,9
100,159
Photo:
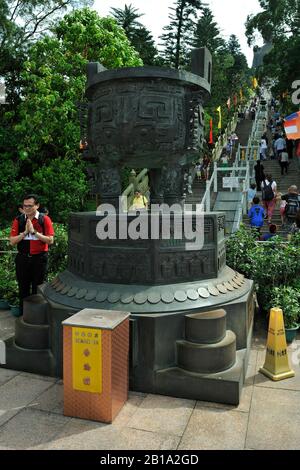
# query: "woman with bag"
269,190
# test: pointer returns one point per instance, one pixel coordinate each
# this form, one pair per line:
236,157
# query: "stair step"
31,336
35,310
207,358
222,387
36,361
206,327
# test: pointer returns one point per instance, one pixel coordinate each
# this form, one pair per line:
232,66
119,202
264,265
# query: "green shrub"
58,251
239,250
8,283
288,299
271,264
57,262
62,187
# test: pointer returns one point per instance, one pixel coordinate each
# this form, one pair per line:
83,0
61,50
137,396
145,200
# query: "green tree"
44,126
230,74
207,33
178,36
279,23
239,70
139,36
277,18
143,42
127,18
62,185
24,21
55,79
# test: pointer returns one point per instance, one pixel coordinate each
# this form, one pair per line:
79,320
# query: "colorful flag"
211,136
292,126
220,117
228,103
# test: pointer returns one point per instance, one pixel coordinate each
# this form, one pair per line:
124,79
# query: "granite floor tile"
129,409
215,429
274,420
7,374
39,377
110,437
17,393
43,428
51,400
163,414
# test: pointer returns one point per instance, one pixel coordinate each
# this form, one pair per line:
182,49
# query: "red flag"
211,137
235,100
228,103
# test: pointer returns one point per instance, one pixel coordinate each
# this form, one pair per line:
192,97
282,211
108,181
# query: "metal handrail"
128,193
242,209
244,159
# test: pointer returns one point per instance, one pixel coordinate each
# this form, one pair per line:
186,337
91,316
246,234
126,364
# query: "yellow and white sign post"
276,365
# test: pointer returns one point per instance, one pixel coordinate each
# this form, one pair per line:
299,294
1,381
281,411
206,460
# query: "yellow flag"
255,83
220,117
241,94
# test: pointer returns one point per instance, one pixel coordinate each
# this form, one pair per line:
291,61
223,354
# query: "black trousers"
31,271
284,166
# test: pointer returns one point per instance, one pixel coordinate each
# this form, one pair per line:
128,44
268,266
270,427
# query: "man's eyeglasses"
28,206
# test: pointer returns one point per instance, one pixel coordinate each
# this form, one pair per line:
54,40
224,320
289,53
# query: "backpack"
22,221
267,192
292,207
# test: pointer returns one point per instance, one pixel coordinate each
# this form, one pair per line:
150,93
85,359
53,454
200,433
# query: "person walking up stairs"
283,184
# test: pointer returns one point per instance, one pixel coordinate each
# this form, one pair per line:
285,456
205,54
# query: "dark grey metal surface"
30,336
35,310
127,261
138,298
153,118
207,358
206,327
146,117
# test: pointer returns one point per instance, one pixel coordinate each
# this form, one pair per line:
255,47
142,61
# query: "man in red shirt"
32,232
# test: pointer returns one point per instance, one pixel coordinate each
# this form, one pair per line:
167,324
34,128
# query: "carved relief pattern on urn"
140,118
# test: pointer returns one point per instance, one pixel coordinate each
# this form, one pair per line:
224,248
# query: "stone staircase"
208,365
29,349
228,202
243,131
283,183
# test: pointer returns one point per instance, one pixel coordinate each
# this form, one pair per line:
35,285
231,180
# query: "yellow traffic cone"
276,365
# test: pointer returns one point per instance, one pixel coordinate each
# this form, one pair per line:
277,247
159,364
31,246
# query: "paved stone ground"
268,417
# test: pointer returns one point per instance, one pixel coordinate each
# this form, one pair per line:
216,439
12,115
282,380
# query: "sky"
230,15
